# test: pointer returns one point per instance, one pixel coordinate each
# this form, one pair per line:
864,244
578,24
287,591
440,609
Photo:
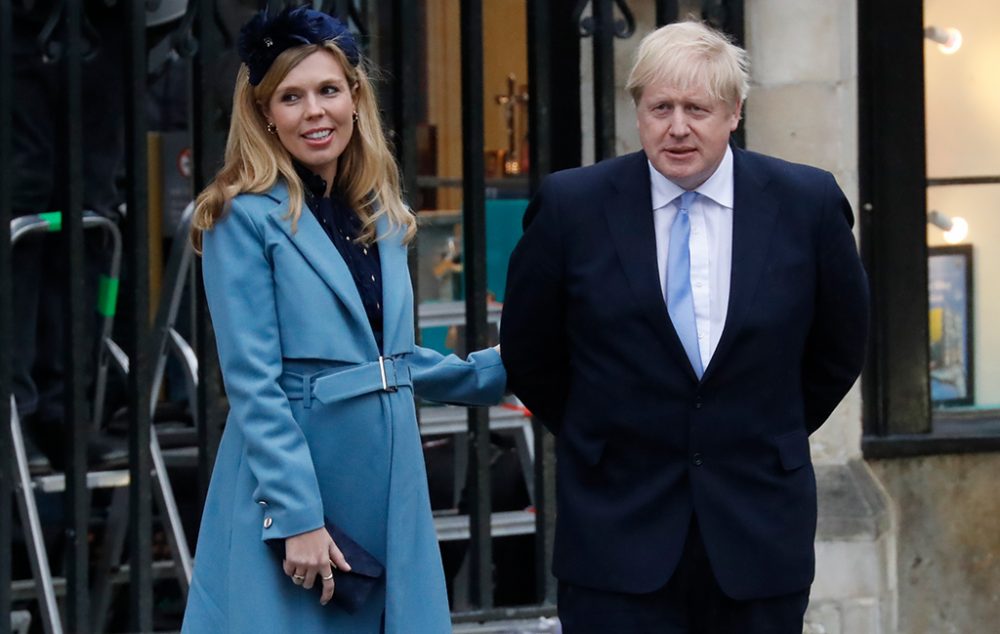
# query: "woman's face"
312,109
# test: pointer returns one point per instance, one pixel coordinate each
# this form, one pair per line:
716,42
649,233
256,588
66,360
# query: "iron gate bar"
539,91
208,143
539,19
70,239
405,94
667,11
474,262
728,17
604,79
136,296
6,281
341,9
402,98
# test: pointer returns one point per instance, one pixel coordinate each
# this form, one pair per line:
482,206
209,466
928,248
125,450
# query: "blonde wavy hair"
255,160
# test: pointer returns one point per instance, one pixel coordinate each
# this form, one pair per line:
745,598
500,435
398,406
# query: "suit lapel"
754,212
629,214
319,253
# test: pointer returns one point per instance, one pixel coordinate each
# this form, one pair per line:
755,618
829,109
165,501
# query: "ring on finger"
328,577
334,564
297,579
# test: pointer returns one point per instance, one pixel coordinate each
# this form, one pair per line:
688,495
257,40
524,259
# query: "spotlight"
955,229
949,39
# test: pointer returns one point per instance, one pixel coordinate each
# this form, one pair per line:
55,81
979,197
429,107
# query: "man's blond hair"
689,54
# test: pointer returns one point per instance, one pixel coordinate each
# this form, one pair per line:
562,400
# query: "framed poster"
949,281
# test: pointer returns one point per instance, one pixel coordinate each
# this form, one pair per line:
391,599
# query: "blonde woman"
317,517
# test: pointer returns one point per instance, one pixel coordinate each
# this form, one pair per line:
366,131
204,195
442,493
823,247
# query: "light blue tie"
680,304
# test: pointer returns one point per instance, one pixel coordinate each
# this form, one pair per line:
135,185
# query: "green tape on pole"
54,218
107,295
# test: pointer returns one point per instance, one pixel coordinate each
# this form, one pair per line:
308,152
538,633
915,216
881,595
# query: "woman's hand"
313,554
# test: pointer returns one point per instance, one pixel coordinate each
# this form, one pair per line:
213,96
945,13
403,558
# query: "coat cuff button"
267,522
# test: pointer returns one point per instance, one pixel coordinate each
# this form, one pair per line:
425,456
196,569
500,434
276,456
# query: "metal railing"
555,29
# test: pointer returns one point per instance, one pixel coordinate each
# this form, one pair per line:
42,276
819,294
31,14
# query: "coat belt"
340,383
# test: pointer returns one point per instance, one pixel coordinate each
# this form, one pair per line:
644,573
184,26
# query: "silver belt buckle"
385,383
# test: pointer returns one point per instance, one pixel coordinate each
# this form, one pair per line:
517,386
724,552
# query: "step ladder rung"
450,419
502,524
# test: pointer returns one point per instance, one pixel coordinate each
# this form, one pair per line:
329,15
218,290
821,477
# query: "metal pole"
539,90
474,247
341,8
406,107
209,144
77,421
540,130
6,282
667,11
137,327
604,80
401,20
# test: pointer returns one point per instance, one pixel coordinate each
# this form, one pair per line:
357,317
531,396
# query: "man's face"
684,132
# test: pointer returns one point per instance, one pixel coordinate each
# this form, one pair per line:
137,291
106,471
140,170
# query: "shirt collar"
718,187
313,183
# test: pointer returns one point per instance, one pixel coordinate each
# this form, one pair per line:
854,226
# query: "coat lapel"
320,254
754,212
629,214
397,306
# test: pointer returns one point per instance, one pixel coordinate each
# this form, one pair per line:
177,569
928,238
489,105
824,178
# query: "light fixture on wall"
955,228
949,40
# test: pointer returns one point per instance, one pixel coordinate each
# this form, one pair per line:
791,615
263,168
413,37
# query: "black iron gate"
202,35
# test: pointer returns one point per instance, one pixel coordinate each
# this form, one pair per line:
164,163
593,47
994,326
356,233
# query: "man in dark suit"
682,318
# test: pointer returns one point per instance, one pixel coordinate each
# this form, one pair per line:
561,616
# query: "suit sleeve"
479,380
835,349
239,287
533,326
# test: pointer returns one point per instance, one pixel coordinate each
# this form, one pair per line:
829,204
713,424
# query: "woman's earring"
271,128
355,116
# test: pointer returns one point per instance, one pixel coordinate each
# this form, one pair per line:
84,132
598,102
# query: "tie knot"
686,199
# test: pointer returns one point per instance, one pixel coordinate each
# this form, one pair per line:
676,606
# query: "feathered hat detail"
266,36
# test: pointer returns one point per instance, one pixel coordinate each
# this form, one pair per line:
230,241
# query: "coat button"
696,459
267,522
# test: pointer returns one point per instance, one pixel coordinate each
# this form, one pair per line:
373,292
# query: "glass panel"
963,131
963,141
977,206
439,246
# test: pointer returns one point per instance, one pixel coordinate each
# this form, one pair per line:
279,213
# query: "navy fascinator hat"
266,36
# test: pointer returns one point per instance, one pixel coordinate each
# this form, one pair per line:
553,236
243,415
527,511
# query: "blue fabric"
680,303
283,303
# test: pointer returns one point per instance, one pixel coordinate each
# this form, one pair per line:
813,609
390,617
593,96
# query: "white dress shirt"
711,245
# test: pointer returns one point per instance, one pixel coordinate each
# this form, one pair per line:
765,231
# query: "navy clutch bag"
352,588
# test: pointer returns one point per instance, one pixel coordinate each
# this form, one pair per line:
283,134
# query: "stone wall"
948,512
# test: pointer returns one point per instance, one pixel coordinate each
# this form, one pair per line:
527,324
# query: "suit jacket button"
267,522
696,459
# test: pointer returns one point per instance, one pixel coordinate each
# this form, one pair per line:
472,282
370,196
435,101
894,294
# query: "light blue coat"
284,306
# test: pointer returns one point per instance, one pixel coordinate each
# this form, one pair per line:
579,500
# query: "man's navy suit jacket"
641,442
